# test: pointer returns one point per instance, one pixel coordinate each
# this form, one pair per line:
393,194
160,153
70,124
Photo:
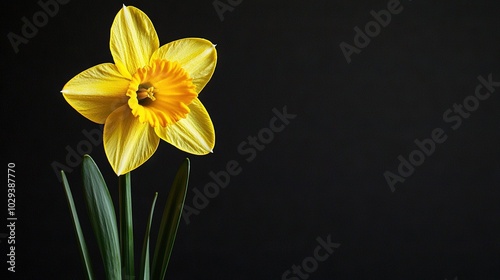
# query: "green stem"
126,226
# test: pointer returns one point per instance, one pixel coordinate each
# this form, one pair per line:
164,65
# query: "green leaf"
102,217
170,221
126,226
87,264
145,272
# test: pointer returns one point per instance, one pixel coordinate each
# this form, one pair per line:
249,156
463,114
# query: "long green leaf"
126,226
102,217
87,264
145,272
170,222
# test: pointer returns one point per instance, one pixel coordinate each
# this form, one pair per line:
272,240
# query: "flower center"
144,93
160,93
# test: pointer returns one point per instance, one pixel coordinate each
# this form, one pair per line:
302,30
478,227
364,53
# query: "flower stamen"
144,93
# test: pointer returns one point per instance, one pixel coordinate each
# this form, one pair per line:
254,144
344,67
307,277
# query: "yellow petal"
97,91
195,134
127,142
133,40
196,56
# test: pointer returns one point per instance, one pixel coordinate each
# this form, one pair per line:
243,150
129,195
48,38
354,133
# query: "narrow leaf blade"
82,245
170,221
102,217
145,272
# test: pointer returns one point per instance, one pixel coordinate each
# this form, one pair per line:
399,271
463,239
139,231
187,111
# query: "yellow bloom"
150,92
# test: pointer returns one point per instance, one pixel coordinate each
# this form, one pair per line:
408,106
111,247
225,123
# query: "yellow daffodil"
149,93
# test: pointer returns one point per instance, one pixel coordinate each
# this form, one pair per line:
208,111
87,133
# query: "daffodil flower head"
149,93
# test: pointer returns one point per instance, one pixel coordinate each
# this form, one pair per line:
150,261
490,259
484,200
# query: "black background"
321,176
